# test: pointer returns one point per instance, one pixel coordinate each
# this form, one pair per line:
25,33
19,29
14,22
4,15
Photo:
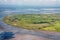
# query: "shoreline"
52,36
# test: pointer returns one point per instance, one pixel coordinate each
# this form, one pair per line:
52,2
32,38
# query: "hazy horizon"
40,3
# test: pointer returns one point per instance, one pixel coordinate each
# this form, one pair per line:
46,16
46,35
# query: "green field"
50,22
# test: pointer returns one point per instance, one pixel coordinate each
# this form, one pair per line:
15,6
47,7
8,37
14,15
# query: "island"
48,22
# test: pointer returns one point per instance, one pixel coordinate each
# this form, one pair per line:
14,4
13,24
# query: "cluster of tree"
39,22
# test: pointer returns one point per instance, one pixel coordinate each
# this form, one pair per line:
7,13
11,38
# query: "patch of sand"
28,37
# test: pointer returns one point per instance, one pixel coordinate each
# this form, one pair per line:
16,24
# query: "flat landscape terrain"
48,22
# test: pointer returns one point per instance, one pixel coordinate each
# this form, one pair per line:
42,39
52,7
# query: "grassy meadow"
49,22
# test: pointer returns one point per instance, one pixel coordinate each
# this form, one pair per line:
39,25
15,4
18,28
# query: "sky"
31,2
